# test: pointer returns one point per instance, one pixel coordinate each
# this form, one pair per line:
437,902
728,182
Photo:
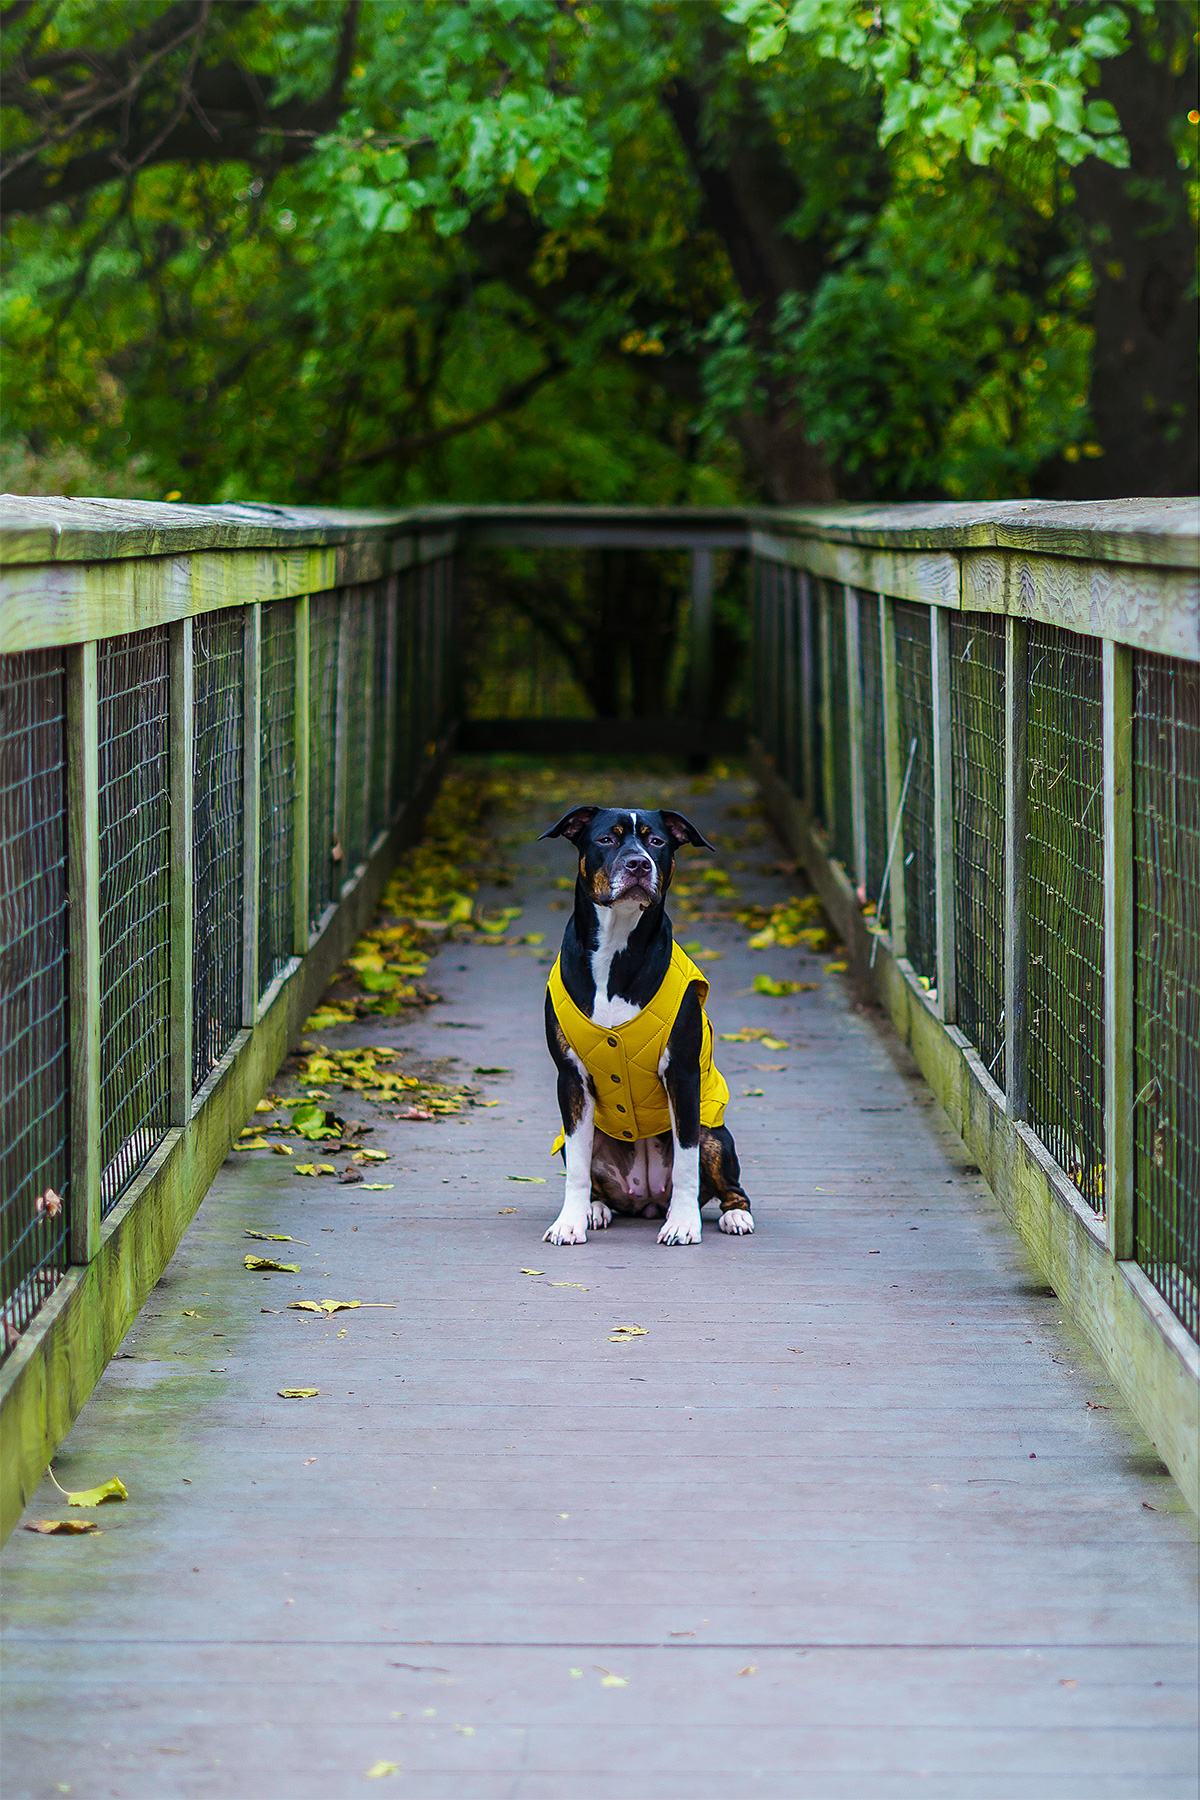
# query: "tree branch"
406,447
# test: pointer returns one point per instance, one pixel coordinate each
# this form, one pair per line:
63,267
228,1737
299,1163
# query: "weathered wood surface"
858,1517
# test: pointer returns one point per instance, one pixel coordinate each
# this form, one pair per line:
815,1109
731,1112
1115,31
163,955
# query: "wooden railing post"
341,712
300,718
83,888
808,774
943,815
858,791
251,807
825,614
1118,949
701,636
182,719
1016,844
895,759
391,700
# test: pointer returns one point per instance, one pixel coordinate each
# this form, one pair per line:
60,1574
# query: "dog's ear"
684,832
573,824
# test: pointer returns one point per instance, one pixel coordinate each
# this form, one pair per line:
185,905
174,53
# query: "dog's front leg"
679,1073
577,1104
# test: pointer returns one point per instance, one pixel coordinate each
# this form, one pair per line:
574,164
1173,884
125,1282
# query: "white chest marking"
616,923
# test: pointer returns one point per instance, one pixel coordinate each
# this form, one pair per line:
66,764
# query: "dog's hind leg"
577,1104
721,1179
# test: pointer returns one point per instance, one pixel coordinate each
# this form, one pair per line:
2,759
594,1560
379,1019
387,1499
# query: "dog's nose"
640,865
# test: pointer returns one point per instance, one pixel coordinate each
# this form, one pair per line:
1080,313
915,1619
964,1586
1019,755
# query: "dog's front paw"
599,1216
567,1230
738,1222
681,1228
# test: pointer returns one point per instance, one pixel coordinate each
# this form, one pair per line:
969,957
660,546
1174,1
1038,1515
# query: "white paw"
599,1216
737,1222
567,1231
681,1228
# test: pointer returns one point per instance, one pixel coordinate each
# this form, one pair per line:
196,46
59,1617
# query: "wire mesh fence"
277,785
355,658
1064,886
218,806
404,726
977,665
842,823
914,702
813,667
135,861
1166,818
870,674
34,1072
323,660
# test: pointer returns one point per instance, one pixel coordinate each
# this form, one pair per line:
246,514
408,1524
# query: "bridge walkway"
860,1515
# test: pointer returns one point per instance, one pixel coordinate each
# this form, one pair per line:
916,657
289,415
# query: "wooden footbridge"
895,1497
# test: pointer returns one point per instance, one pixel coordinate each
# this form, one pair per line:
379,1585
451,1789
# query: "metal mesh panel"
356,646
135,857
914,699
382,699
33,982
810,650
977,749
839,722
323,657
1065,905
217,836
1166,823
874,771
277,781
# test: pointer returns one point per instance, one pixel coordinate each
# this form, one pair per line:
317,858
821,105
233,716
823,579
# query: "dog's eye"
656,843
604,840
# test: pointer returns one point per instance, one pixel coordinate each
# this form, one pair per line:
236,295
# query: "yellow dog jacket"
631,1101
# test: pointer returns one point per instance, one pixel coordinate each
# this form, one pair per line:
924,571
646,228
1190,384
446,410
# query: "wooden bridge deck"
859,1518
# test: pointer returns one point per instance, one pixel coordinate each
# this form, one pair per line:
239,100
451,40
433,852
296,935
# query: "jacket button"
627,1134
620,1109
616,1078
613,1042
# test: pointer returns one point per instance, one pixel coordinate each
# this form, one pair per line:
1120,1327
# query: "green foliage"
966,76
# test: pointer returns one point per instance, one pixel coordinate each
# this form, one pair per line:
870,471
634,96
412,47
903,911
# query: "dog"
642,1102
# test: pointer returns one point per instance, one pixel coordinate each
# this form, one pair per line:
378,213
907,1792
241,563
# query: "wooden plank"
895,759
251,809
931,576
182,772
300,790
700,635
943,816
1016,831
858,795
83,990
1118,949
1150,608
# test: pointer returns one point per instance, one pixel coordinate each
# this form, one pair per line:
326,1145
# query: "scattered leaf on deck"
108,1490
766,984
834,968
377,1187
533,1271
574,1284
536,1180
282,1149
611,1680
297,1393
253,1143
62,1527
275,1237
480,1070
622,1334
378,1769
505,1209
769,1068
752,1094
575,1674
771,1043
315,1169
191,1313
323,1306
750,1669
366,1155
266,1262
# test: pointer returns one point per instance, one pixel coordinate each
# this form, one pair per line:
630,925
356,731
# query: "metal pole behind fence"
251,807
181,730
1016,846
943,815
1118,949
83,887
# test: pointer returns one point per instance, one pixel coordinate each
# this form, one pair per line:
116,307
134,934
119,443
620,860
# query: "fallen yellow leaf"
836,968
265,1106
750,1669
574,1284
315,1169
622,1334
533,1271
108,1490
611,1680
254,1143
505,1209
323,1306
282,1149
266,1262
275,1237
378,1769
63,1527
538,1180
297,1393
377,1187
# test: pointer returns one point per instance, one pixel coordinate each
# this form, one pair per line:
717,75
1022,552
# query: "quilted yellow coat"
623,1060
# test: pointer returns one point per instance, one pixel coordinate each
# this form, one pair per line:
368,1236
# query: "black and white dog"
617,961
